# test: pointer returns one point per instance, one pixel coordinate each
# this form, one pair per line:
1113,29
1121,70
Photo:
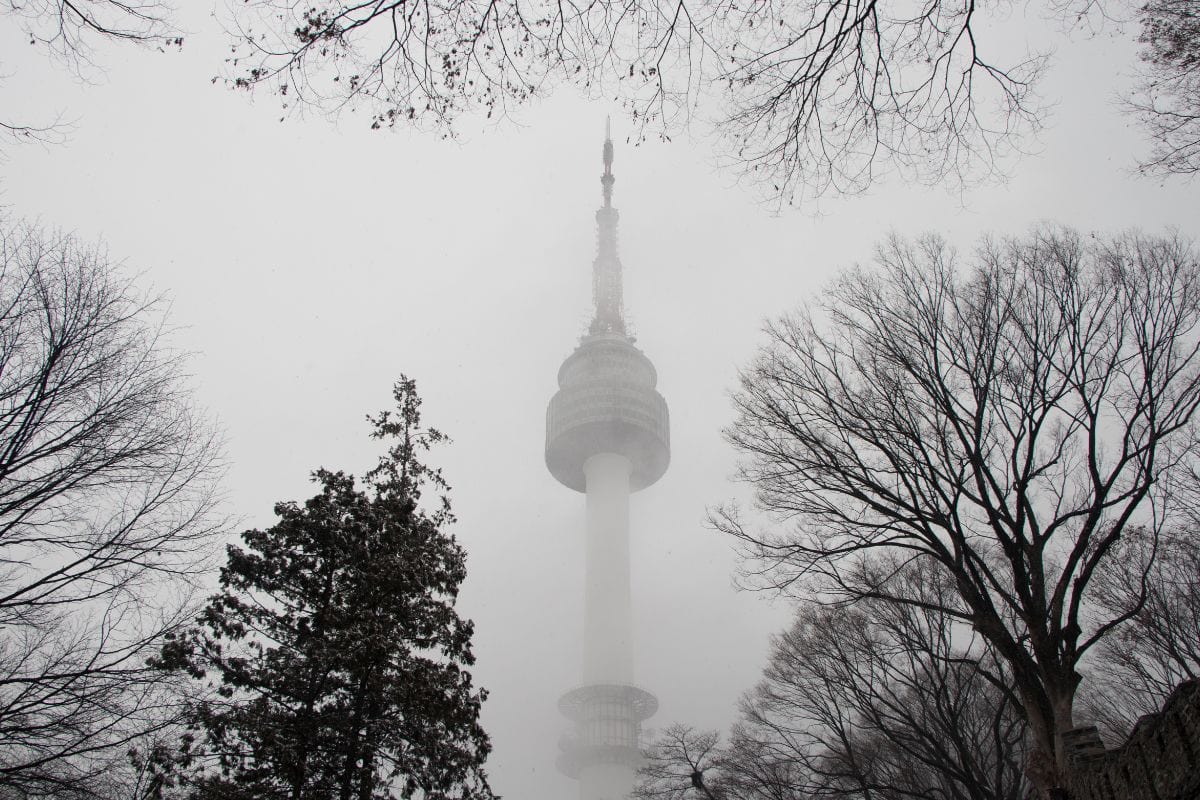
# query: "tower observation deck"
607,435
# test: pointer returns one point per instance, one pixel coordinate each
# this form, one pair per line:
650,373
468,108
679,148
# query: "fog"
310,262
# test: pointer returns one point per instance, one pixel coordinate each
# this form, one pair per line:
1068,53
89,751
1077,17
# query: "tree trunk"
352,746
1048,767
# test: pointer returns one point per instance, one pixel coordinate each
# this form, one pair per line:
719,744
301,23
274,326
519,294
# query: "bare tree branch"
1136,669
69,32
815,97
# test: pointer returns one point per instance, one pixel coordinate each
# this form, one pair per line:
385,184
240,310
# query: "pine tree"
333,650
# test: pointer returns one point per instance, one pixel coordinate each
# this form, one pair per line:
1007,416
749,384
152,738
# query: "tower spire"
606,270
607,179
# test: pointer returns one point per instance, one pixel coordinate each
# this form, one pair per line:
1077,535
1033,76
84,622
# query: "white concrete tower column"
607,615
607,600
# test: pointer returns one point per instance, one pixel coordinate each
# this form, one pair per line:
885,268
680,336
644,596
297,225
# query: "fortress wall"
1159,761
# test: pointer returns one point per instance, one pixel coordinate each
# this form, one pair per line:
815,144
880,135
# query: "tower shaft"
608,603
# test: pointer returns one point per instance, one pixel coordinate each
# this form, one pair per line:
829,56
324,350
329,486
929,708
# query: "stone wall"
1159,761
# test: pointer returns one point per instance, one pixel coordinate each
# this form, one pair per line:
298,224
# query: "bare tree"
892,701
1169,101
879,700
1010,423
682,763
106,510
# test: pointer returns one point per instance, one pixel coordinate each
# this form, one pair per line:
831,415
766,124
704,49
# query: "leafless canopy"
1010,423
106,503
880,700
682,763
1136,669
1170,99
815,97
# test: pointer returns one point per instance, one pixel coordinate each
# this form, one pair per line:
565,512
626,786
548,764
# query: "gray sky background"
310,263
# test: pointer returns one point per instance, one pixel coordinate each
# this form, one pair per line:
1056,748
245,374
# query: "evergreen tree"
333,650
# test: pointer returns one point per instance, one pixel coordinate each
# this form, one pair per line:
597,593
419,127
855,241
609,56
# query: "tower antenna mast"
607,291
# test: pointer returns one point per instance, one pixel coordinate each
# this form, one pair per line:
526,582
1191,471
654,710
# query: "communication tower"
607,435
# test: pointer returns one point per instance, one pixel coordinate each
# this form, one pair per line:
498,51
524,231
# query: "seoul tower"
607,435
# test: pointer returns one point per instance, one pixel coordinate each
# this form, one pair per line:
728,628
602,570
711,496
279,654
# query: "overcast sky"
309,263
